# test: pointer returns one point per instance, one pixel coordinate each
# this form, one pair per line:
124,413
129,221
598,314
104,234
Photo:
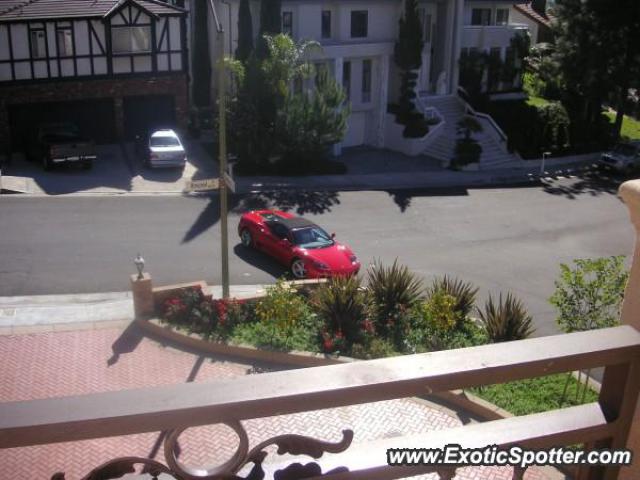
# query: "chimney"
539,6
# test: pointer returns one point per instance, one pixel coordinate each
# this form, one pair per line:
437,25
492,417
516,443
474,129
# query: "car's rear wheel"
298,268
246,238
87,164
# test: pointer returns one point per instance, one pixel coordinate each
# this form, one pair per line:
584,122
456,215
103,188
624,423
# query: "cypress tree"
245,32
408,57
201,58
270,24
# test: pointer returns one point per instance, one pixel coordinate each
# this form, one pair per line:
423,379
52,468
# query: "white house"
358,39
110,66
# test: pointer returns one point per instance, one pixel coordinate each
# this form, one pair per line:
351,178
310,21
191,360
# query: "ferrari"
302,246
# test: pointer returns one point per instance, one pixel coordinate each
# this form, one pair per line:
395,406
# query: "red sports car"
301,245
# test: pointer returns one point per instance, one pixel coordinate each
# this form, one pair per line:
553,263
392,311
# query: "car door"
276,242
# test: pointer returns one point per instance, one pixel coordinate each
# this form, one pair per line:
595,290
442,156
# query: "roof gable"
20,10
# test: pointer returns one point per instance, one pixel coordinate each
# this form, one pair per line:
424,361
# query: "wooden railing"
604,424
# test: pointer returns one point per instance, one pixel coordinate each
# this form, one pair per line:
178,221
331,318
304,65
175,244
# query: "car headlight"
353,258
320,265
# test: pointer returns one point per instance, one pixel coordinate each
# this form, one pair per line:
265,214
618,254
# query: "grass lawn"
534,395
630,126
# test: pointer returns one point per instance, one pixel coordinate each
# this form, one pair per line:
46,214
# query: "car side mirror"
333,235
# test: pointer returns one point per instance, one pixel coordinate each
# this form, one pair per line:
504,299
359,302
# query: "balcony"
172,409
490,36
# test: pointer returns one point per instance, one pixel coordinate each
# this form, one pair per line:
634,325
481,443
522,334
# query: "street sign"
231,184
203,185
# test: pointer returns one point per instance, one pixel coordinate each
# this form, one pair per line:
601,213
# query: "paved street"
501,239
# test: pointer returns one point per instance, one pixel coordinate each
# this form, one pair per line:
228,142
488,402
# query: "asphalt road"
510,239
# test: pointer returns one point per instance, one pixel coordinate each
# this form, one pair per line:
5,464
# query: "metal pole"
222,144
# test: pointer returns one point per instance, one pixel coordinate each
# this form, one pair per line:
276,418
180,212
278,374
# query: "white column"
630,315
458,26
383,99
448,44
338,72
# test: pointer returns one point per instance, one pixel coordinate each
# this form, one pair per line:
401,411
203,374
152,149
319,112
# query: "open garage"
148,111
95,118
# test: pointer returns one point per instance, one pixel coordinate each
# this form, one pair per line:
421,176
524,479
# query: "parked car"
55,143
161,148
624,157
302,246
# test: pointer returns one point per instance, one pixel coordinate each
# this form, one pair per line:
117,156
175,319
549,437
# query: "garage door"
150,111
355,130
95,118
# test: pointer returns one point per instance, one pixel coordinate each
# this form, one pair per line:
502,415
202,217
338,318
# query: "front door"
427,13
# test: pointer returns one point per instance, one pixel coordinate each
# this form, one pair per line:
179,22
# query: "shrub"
464,294
282,312
373,348
507,320
340,303
391,289
590,295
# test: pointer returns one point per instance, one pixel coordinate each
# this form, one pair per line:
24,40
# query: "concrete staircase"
443,148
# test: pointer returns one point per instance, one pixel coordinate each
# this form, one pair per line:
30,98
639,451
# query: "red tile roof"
16,10
527,10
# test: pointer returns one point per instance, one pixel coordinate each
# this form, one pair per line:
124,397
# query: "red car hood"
335,257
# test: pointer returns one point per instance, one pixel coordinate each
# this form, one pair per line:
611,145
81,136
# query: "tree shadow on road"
403,198
301,202
593,183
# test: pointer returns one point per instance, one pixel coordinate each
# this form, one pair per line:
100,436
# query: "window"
346,78
359,23
481,16
278,230
131,39
65,42
38,44
326,24
502,16
366,81
287,23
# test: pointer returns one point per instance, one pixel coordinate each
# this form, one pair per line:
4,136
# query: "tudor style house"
110,66
358,39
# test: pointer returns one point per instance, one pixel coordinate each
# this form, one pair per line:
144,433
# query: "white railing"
486,36
487,120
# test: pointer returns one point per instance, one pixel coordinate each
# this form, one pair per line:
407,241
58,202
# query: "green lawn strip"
535,395
537,101
630,126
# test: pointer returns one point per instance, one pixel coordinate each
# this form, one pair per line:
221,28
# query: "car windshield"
164,142
625,149
311,237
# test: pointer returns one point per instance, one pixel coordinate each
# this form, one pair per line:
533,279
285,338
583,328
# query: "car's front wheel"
246,238
298,268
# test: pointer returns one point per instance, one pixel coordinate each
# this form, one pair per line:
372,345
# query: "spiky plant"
463,292
392,288
506,320
341,304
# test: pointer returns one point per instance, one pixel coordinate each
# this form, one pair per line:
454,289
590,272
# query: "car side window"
280,231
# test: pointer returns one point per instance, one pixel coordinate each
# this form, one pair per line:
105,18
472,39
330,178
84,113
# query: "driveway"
117,170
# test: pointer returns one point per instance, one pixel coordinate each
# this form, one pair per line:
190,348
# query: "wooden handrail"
161,408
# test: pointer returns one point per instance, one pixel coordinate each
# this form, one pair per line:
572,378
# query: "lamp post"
544,156
139,262
222,151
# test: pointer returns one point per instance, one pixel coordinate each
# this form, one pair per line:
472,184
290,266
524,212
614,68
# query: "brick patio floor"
56,364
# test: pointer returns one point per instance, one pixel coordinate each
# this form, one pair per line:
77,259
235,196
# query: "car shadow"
260,261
